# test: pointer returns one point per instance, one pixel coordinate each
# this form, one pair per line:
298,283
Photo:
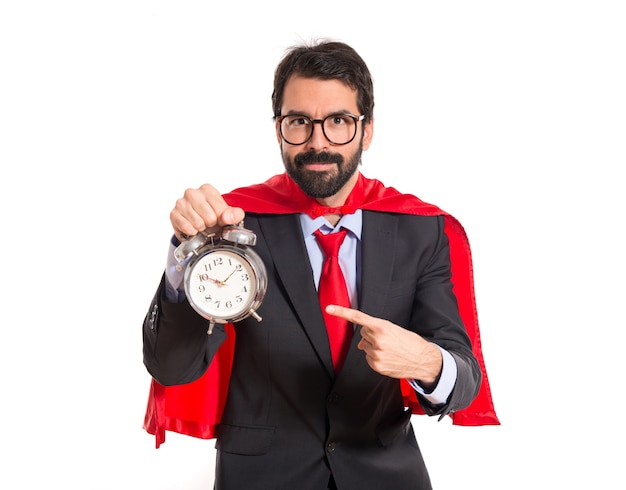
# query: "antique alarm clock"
225,280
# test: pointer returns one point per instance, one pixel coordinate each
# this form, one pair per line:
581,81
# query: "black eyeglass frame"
279,121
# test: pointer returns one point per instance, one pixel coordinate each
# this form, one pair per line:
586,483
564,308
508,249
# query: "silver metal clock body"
225,280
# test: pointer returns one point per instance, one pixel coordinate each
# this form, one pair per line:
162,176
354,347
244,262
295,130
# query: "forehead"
318,97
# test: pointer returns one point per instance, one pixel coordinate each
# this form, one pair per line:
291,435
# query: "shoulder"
408,227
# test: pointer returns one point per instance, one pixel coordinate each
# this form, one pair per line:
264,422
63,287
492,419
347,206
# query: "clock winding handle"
255,315
191,245
239,235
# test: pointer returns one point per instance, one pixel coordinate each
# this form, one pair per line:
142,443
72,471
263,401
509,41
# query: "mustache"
314,157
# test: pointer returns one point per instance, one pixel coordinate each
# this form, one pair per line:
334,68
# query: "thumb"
231,216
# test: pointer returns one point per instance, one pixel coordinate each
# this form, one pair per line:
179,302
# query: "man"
289,417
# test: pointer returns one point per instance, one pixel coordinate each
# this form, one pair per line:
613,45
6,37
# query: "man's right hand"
201,209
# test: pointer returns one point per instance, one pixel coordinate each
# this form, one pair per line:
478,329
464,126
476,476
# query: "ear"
368,134
278,137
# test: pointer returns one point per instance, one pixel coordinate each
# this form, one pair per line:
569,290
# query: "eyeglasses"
339,129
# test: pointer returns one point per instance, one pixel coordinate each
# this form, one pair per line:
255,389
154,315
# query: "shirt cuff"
446,382
174,276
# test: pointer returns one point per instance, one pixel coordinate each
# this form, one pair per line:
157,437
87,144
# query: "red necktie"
332,290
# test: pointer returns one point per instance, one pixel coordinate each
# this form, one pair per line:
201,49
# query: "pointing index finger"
350,314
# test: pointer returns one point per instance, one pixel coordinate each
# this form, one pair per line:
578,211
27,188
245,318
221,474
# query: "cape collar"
281,195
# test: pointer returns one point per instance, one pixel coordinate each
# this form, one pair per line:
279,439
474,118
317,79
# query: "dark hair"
326,60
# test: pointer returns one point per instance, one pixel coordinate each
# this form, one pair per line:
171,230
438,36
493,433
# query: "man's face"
320,168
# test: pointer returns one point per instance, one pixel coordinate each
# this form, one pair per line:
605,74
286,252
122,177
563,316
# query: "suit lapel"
283,236
377,255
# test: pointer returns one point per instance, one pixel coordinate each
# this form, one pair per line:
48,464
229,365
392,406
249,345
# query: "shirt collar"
352,222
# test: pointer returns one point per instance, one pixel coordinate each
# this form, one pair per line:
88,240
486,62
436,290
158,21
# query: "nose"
318,140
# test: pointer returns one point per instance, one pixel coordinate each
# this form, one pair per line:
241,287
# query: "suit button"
333,398
153,317
331,447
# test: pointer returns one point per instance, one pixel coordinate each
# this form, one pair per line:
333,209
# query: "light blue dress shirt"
349,257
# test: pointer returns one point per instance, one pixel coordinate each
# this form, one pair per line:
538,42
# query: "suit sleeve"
176,347
436,317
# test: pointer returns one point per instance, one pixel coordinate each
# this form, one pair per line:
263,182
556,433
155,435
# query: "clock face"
222,285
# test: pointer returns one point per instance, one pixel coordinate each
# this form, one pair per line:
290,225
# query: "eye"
339,120
298,121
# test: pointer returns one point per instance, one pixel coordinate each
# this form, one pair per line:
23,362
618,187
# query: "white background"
509,115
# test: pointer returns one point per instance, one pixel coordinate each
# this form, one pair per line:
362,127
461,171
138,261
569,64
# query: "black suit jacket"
289,421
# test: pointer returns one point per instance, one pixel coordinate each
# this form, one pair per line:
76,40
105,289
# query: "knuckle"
188,194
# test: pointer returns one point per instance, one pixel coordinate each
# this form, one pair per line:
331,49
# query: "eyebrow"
333,113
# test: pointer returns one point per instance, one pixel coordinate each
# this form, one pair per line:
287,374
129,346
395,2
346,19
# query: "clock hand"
216,281
229,275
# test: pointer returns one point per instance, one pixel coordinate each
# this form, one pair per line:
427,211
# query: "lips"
318,165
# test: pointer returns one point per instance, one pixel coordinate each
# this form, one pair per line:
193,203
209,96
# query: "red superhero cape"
195,408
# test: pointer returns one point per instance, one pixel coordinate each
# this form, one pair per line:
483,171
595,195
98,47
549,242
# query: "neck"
333,219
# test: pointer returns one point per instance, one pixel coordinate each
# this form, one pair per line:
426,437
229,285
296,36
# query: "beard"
322,184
